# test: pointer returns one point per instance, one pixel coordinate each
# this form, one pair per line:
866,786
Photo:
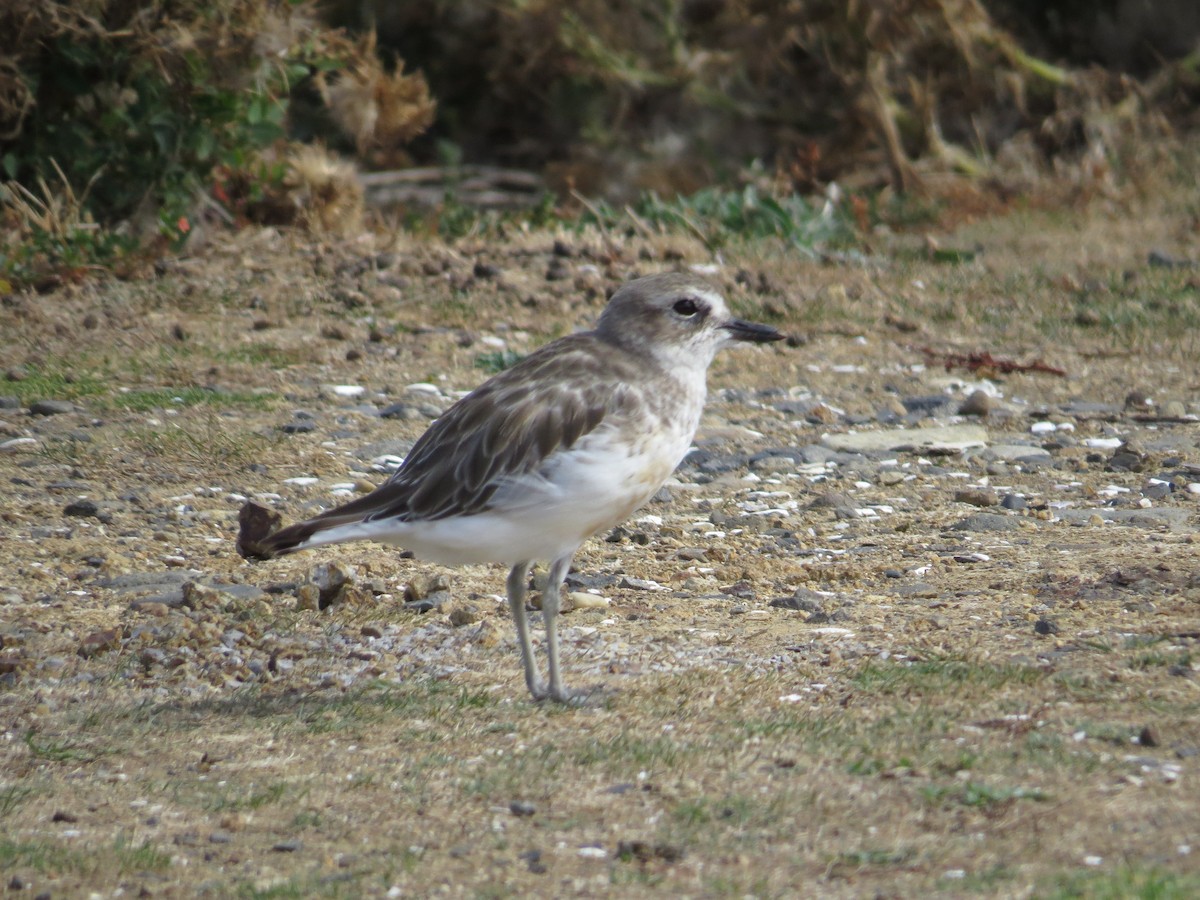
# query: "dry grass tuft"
381,111
325,190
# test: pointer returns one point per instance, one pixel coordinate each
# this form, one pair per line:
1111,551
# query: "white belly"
590,488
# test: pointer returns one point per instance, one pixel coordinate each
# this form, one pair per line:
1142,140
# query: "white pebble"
1104,443
1043,427
303,481
424,387
349,390
16,444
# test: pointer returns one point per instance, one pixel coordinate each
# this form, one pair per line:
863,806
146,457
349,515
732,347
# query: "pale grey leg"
517,579
551,603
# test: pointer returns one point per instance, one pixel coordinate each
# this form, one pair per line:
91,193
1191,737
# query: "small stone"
584,600
421,586
302,427
533,859
308,596
371,631
830,500
100,641
979,403
1156,490
287,846
400,410
640,584
977,497
1148,737
333,581
464,614
1138,401
1045,626
62,816
987,522
1128,457
821,414
82,508
800,601
522,808
220,837
1013,502
51,407
773,464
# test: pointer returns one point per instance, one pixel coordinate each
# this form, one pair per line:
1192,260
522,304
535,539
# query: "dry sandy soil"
821,667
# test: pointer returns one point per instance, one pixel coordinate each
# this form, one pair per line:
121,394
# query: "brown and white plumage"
567,443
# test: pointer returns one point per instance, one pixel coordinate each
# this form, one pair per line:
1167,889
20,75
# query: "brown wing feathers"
458,464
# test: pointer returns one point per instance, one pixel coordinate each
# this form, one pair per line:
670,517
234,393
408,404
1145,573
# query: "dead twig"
983,360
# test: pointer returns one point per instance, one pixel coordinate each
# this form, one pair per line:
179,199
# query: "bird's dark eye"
686,307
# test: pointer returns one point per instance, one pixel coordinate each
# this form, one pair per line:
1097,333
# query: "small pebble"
977,497
1045,626
979,403
51,407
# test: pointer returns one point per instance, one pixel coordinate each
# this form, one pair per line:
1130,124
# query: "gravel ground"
866,495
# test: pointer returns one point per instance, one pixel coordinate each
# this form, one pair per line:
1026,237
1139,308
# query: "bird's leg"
551,602
517,579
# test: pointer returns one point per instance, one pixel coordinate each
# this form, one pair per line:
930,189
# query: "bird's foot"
591,698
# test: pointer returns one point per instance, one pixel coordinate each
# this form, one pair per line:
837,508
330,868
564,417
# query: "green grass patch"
56,749
497,361
940,675
53,858
628,752
240,797
719,216
261,354
53,384
13,797
974,794
39,856
1125,883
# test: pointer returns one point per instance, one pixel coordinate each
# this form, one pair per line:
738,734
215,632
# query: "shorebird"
565,444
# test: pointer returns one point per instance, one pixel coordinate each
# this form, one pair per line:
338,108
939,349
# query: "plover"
565,444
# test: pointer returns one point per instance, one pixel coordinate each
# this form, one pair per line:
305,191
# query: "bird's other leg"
517,579
551,602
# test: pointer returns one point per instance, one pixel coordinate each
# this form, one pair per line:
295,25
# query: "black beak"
752,331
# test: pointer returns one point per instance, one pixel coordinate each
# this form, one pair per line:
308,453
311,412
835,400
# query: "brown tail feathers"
260,537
